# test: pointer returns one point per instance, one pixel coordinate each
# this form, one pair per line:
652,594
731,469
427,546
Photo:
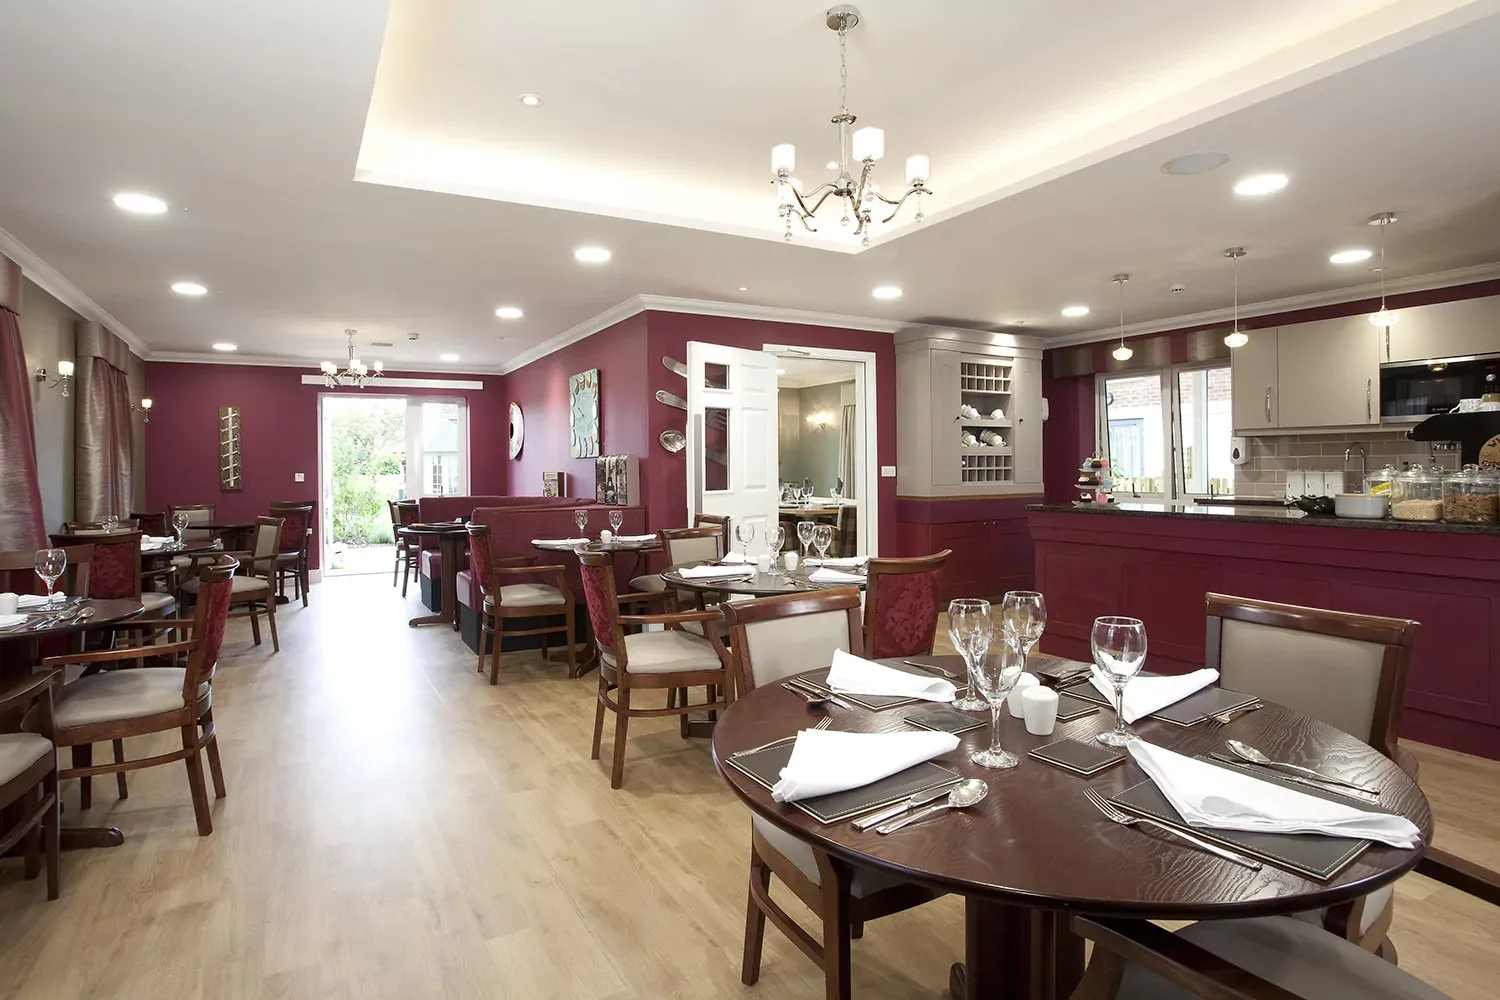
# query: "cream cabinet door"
1252,375
1328,373
1444,330
945,429
1026,421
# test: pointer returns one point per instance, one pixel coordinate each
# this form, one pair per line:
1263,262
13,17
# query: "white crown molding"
268,361
1416,283
69,294
572,335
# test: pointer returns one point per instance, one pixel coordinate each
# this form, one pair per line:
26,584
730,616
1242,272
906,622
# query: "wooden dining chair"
1344,669
403,513
153,524
119,704
902,600
28,776
296,535
517,588
18,571
671,658
97,527
115,571
770,639
1264,958
198,513
255,590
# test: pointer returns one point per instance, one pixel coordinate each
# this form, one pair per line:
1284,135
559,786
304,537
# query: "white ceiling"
1046,124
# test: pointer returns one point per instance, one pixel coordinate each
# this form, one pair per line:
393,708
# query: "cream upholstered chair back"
1343,669
267,533
196,514
685,545
776,637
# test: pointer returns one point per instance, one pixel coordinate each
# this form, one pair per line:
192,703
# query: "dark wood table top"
759,585
652,544
1035,841
105,613
183,549
437,530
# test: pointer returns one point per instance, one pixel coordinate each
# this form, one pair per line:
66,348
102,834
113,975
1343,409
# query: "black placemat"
818,679
1078,756
1315,855
944,720
764,768
1188,712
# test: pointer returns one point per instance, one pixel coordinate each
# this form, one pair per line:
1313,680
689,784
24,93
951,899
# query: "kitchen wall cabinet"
1328,373
1444,330
1252,375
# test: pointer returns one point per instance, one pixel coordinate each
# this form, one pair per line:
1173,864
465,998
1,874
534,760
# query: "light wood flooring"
396,828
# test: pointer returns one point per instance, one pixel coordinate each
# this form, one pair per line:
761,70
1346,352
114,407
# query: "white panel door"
732,436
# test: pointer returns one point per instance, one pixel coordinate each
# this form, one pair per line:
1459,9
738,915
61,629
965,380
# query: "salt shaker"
763,562
789,560
1013,700
606,535
1039,707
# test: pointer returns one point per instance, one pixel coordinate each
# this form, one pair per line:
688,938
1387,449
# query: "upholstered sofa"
511,531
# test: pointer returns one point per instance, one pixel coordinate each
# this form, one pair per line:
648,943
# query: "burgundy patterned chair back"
598,571
152,524
407,510
115,572
296,518
215,589
267,538
481,561
901,606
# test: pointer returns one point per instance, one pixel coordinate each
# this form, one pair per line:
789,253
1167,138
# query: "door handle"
1268,404
1369,406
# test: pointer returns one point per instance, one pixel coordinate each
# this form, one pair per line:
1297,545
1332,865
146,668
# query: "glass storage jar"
1471,496
1417,495
1378,483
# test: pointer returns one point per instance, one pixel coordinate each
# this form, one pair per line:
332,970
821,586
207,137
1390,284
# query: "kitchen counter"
1157,561
1282,515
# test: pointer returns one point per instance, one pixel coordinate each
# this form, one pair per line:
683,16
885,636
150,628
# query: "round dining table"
757,585
639,547
1035,851
451,539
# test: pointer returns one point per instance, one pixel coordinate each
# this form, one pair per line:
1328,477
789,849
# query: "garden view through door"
375,449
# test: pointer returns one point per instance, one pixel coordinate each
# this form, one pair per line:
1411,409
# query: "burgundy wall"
279,435
619,352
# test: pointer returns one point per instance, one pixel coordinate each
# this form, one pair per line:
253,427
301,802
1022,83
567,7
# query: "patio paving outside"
358,560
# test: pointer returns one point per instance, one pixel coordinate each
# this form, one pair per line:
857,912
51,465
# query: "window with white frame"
1167,433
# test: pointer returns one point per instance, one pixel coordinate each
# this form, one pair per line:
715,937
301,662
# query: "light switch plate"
300,477
888,471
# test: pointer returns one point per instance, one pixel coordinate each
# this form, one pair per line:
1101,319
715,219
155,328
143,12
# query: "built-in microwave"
1412,391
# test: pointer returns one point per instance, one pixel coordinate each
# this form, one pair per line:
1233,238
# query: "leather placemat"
874,702
764,767
1188,712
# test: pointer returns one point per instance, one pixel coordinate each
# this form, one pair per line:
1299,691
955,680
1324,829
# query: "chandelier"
858,198
356,373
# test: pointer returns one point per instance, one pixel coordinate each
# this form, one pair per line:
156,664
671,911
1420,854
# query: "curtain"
21,524
848,445
102,450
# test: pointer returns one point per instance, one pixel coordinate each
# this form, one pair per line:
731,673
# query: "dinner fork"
1117,815
797,685
1223,718
765,746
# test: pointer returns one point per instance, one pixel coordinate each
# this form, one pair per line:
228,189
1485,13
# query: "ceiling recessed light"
1075,311
744,289
509,312
832,164
188,288
781,371
886,292
447,357
1195,163
140,204
226,347
1258,184
1349,257
531,100
591,255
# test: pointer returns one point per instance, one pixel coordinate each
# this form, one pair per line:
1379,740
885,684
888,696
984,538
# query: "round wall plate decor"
517,430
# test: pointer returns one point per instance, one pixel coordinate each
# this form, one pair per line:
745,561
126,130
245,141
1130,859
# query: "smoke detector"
412,336
1178,288
381,343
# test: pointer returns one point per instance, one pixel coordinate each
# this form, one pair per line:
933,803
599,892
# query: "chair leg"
837,925
215,766
396,569
856,930
486,626
83,756
254,624
31,841
622,722
302,579
599,716
51,840
405,573
755,920
572,656
271,618
195,781
495,637
119,746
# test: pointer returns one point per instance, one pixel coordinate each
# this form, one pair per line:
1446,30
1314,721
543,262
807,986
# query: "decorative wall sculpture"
583,407
229,448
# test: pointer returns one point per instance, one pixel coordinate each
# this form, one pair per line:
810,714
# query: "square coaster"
944,720
1078,757
1070,708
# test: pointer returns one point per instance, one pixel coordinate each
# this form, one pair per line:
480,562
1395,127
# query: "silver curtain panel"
102,458
848,438
20,495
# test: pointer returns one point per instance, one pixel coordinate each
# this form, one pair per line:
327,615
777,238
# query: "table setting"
1212,804
772,572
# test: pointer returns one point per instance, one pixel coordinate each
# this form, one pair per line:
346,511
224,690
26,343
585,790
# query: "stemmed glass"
822,538
969,626
50,564
805,531
616,518
745,532
775,540
581,518
179,525
1023,618
1119,646
997,675
111,522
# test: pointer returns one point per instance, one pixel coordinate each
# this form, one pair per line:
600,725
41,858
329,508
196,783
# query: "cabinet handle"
1369,407
1268,404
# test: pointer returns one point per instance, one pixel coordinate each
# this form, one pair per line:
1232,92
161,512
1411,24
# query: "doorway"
377,448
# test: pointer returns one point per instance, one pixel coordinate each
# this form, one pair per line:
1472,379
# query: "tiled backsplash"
1271,458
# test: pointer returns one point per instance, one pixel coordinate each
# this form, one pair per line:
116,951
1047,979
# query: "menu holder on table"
1190,711
764,767
1314,855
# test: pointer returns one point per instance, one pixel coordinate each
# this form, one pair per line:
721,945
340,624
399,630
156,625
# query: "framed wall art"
583,410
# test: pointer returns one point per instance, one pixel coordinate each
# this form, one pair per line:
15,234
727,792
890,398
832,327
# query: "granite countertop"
1284,515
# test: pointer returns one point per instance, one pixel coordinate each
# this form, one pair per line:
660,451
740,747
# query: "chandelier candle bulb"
918,170
65,369
869,144
783,159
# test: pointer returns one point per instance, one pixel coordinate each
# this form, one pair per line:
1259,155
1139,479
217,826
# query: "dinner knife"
934,668
803,685
1296,779
891,812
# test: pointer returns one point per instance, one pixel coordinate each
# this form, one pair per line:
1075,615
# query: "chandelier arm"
898,203
819,203
806,224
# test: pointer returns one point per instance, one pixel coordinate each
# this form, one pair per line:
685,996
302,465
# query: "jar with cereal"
1470,496
1417,495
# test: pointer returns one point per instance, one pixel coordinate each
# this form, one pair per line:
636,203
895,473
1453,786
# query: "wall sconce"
144,408
820,421
64,376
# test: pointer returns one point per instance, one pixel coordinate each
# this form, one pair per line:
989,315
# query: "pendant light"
1122,353
1235,338
1385,317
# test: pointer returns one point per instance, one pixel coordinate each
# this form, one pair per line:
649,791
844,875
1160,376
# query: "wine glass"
50,564
1119,646
745,532
969,626
179,525
581,518
997,675
1023,618
822,538
775,540
616,518
805,535
111,522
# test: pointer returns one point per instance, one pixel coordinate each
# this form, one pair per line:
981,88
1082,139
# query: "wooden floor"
396,828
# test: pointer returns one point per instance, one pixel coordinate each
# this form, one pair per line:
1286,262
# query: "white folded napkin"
157,539
735,559
1220,798
847,561
852,674
1144,695
711,572
6,621
558,541
824,761
635,538
30,601
826,575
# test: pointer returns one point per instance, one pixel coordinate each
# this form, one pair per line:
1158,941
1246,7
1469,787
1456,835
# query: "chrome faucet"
1364,467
